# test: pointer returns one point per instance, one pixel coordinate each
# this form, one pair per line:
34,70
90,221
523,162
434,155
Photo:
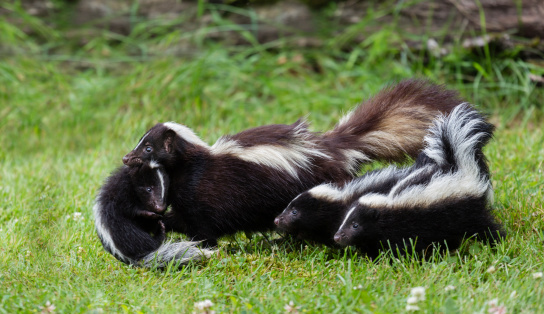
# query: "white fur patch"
161,178
153,164
185,133
373,199
354,159
411,175
326,192
289,158
105,233
179,252
360,185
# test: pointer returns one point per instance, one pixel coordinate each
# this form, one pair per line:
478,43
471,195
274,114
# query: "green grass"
66,120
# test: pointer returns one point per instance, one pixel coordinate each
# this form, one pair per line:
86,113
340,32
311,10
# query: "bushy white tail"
179,252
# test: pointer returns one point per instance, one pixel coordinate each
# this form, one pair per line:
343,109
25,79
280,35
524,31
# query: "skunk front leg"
147,214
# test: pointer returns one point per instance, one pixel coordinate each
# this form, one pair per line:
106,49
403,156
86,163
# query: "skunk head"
359,226
313,215
293,217
162,143
151,185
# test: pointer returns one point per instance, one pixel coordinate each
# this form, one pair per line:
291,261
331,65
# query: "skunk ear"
169,140
373,213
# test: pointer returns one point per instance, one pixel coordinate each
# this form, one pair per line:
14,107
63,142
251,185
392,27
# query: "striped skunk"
245,180
128,212
442,198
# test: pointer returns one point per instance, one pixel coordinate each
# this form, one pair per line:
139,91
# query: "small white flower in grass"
204,306
449,288
411,307
291,308
419,293
491,269
80,250
47,308
412,300
77,216
416,294
28,254
537,275
495,308
359,287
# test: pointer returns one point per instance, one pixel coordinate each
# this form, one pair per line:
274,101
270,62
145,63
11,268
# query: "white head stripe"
153,164
141,141
347,216
161,178
289,205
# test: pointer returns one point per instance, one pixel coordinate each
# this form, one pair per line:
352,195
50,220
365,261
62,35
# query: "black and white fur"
315,214
128,212
445,196
245,180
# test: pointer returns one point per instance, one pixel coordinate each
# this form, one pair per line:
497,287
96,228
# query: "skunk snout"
277,221
160,208
131,160
339,237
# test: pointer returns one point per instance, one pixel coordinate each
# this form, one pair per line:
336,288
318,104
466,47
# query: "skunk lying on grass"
444,197
244,180
128,217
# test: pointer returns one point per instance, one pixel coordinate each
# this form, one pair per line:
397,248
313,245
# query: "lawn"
67,119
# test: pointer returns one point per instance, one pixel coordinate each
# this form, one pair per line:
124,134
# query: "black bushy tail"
391,125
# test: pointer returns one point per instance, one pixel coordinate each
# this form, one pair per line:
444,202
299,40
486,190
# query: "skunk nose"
337,237
159,208
125,159
277,221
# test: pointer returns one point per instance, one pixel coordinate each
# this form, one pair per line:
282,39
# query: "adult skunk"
127,215
442,198
244,180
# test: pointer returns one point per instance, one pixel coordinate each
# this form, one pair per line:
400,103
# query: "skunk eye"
148,149
294,212
148,190
355,226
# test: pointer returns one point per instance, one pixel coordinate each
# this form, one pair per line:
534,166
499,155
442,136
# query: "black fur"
130,214
447,222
